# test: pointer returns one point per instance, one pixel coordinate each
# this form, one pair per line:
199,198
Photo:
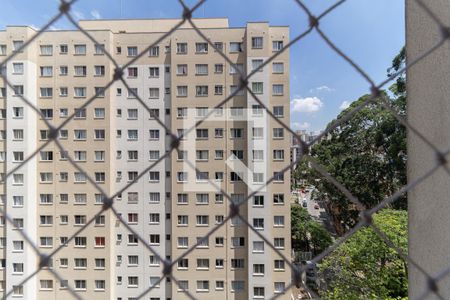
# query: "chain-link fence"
65,8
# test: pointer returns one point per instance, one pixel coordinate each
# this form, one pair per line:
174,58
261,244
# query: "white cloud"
322,88
298,125
95,14
78,14
308,104
345,105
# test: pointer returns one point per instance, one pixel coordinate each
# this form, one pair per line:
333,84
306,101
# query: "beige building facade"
116,137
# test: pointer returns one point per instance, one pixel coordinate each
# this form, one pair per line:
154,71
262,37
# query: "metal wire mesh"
365,220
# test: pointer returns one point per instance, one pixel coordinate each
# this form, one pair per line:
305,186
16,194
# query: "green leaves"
367,154
307,234
364,267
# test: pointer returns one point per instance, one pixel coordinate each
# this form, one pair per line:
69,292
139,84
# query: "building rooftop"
150,25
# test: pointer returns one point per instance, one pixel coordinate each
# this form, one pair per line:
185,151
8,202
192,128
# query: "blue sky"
371,32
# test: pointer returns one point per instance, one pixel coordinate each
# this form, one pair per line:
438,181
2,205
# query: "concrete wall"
428,111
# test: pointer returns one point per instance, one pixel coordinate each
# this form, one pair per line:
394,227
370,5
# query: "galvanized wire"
64,10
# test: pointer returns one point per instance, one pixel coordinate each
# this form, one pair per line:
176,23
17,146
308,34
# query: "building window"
236,47
17,291
154,218
46,241
132,51
182,112
201,47
182,242
99,49
219,243
182,91
154,197
278,111
202,285
154,239
237,286
17,112
46,71
99,241
278,199
237,242
181,48
202,220
258,200
182,176
277,45
201,90
63,70
279,287
237,263
277,89
63,92
99,70
258,269
80,92
257,87
154,72
153,51
154,261
63,49
154,176
17,45
258,292
218,46
154,93
278,176
258,223
278,67
236,69
201,69
99,134
80,71
46,50
80,284
278,243
258,247
132,72
18,90
155,281
2,49
99,285
18,68
80,49
279,265
154,134
201,133
183,285
257,42
182,69
218,68
278,133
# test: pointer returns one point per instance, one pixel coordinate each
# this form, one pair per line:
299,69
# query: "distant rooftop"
150,25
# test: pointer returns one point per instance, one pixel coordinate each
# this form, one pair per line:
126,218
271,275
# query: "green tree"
364,267
366,154
307,234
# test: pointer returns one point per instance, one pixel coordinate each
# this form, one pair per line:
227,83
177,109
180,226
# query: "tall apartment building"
115,138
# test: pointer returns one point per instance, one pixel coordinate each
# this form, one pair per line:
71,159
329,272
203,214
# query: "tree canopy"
367,154
364,267
308,234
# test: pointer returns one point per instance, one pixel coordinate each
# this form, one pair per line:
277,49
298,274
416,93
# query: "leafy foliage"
364,267
366,154
307,234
